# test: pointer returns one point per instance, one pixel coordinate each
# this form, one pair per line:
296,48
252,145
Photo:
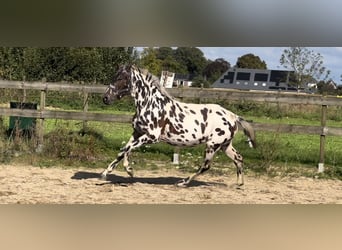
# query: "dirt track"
26,184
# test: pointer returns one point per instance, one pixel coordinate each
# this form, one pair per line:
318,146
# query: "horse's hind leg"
129,169
238,161
209,154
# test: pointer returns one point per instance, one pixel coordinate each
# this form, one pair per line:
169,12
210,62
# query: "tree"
63,63
163,58
164,52
250,61
112,58
150,61
215,69
11,63
168,60
192,58
200,82
305,63
171,64
327,87
33,64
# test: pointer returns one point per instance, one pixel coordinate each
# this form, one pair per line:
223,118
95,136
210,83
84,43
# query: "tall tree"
250,61
12,63
63,63
192,58
168,60
215,69
112,58
150,61
305,63
164,52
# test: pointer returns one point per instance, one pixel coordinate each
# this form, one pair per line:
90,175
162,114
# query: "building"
256,79
182,80
166,79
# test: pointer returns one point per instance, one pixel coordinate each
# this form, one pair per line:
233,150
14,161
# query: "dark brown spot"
202,127
204,114
181,117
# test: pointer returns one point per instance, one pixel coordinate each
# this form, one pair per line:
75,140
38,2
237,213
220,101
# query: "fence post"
85,107
41,121
176,151
322,139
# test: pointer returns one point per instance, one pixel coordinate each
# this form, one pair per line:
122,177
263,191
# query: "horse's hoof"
103,177
130,172
182,183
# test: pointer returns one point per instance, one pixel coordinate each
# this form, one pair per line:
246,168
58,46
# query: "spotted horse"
159,117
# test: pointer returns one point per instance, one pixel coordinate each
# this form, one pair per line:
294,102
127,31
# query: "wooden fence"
202,94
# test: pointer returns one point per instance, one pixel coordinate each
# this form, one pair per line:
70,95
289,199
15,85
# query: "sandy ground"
31,185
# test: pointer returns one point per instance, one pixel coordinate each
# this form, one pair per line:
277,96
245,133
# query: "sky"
332,56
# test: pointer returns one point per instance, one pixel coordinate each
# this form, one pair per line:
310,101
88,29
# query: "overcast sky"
332,56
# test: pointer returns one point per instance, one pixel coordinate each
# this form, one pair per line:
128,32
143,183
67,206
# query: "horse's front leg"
114,163
134,142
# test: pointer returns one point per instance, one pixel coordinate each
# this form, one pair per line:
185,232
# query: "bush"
76,146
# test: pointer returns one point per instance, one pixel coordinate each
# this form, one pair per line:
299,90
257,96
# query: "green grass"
277,154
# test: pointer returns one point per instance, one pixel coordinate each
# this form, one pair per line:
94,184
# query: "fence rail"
202,94
214,94
122,118
66,115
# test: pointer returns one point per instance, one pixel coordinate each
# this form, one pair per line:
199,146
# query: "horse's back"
209,112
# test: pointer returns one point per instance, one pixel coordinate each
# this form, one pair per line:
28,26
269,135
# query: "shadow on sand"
120,180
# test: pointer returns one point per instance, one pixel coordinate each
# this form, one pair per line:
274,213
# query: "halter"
120,92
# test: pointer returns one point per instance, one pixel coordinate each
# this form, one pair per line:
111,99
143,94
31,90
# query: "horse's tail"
248,130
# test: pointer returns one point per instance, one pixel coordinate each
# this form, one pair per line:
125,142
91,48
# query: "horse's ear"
127,68
132,67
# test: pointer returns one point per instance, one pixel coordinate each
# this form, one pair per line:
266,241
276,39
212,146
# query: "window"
278,76
243,76
230,77
260,77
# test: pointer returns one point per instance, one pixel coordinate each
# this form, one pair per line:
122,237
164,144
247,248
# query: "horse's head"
120,87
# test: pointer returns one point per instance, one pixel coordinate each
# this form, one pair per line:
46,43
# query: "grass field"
276,154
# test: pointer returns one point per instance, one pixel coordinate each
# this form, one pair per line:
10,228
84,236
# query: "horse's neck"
147,95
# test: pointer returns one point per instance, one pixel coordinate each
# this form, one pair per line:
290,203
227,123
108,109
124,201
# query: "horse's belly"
182,140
